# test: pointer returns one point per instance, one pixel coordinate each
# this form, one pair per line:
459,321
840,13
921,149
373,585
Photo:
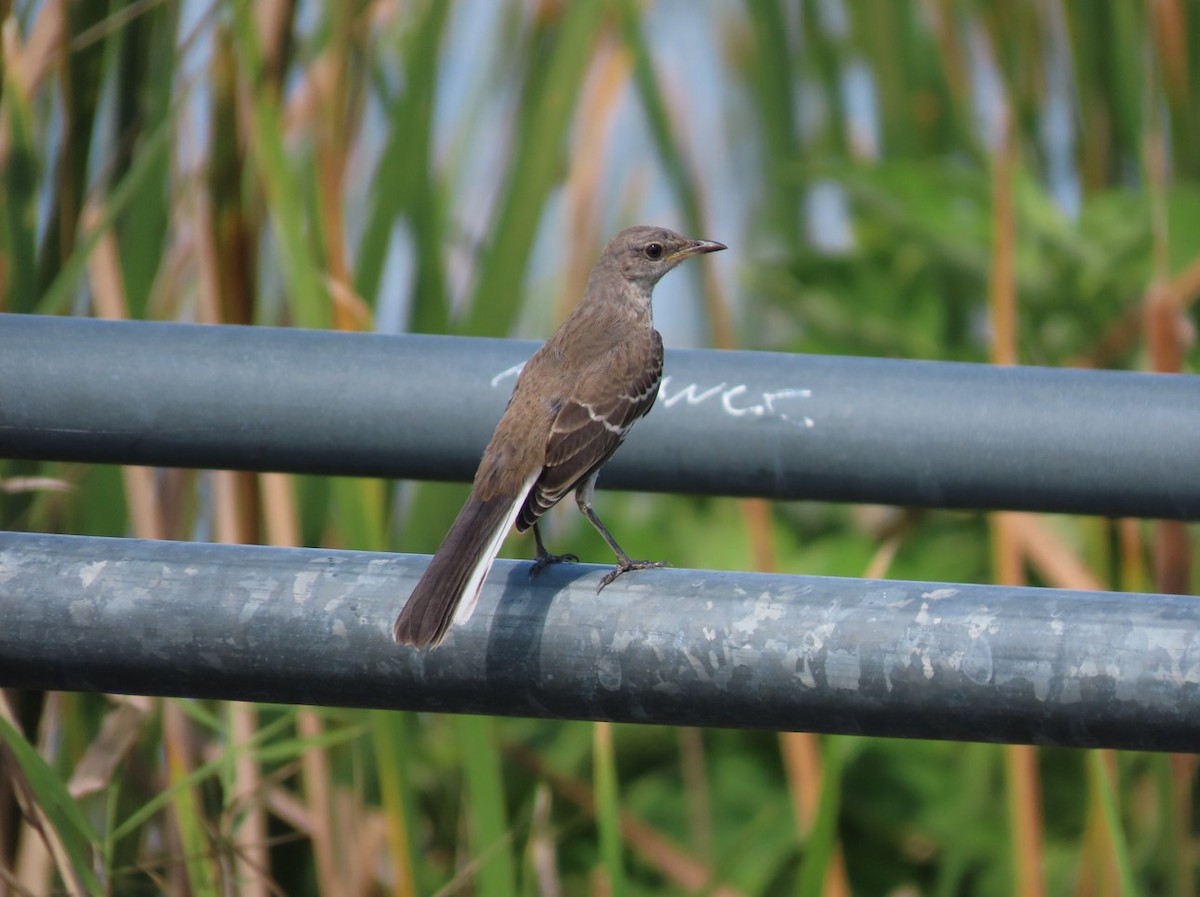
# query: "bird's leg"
583,498
544,558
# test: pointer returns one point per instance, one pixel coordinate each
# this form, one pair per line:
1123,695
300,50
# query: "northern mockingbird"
574,402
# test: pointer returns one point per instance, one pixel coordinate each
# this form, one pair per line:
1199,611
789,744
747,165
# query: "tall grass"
982,180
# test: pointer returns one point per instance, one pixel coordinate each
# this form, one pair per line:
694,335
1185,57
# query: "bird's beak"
696,247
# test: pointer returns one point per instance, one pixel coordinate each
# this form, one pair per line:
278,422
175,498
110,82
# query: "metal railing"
687,647
932,660
930,434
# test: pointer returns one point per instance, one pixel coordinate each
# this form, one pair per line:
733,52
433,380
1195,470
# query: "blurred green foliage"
443,166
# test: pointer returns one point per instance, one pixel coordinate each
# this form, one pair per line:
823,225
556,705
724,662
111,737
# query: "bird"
573,404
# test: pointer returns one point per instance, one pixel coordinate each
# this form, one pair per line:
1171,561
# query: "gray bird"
573,404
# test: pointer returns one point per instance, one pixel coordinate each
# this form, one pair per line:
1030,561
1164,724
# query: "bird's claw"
542,561
626,567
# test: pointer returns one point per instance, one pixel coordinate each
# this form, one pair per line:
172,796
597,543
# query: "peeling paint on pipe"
684,647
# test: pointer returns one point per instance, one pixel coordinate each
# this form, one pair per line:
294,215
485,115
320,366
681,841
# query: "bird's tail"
449,589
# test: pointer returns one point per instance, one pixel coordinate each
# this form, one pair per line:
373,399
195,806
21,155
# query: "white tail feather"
474,584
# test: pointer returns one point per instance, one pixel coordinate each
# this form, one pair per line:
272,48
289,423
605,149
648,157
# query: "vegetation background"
1015,181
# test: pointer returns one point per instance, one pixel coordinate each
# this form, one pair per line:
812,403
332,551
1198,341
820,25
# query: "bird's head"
642,254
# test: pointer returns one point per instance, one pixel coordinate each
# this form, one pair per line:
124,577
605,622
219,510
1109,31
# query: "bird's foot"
625,567
545,559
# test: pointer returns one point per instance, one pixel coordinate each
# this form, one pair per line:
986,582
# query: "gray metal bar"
686,647
727,423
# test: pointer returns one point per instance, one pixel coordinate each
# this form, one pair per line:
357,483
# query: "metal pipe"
684,647
727,423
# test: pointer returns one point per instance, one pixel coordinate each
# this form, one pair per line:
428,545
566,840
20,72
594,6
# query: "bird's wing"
591,423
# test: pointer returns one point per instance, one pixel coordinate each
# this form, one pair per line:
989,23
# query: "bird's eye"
654,251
